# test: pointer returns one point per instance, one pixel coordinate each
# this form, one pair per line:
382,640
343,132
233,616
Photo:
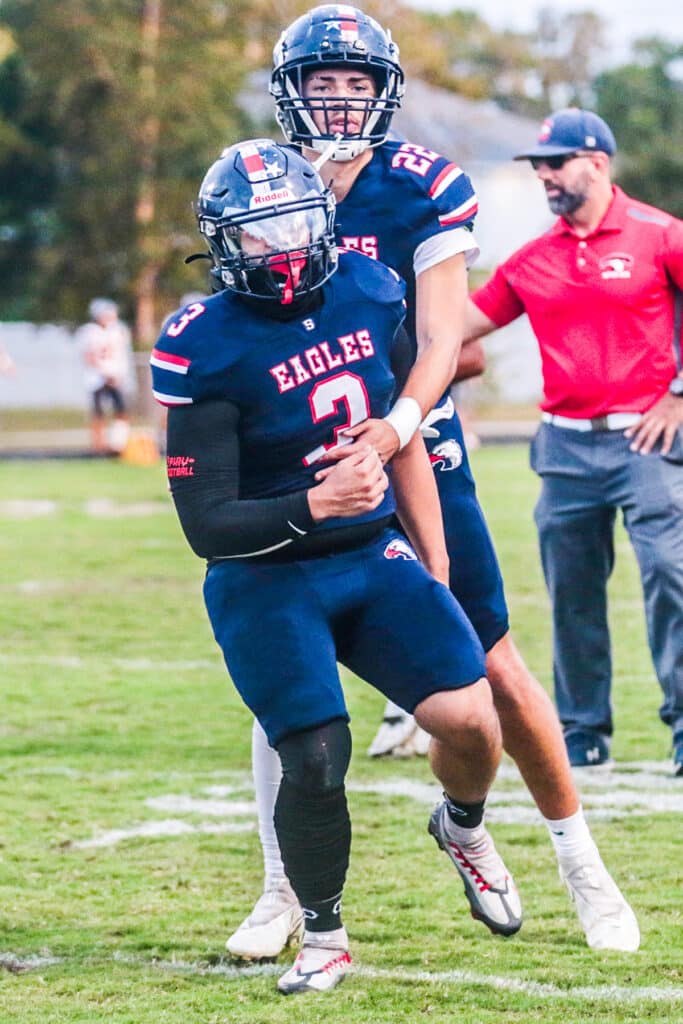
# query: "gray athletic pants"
586,477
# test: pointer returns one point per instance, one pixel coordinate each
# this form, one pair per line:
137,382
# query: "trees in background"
111,111
643,102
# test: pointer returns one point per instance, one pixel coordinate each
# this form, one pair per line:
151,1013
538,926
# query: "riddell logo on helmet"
268,198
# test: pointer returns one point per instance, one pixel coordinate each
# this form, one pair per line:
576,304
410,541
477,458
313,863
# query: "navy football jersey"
296,383
403,196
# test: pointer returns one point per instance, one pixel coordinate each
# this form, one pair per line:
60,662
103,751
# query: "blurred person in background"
105,345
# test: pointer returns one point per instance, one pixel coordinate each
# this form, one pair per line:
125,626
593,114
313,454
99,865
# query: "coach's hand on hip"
660,421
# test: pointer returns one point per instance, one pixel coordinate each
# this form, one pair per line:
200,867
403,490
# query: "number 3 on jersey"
176,328
325,400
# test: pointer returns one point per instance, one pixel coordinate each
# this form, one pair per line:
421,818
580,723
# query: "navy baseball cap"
571,131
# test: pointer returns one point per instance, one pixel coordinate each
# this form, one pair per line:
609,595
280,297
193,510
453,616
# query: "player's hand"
661,421
349,488
378,433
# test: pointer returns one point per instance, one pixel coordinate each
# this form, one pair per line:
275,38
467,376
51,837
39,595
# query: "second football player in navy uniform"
337,82
305,565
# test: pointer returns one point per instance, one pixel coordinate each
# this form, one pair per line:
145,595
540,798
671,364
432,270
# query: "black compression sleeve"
203,470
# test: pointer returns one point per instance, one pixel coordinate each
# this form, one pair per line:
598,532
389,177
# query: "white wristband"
405,417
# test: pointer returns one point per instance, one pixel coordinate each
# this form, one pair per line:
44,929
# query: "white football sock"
571,836
267,773
337,939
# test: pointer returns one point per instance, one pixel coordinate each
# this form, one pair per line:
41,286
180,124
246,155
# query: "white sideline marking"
623,791
16,964
626,790
38,586
153,829
27,509
105,508
130,664
544,990
179,804
97,508
606,993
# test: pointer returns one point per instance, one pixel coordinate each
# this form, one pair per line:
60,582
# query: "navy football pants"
475,577
283,626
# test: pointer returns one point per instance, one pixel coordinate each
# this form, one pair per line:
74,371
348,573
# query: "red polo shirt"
601,307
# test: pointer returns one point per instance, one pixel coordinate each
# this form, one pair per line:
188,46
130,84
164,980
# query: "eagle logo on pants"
446,456
398,548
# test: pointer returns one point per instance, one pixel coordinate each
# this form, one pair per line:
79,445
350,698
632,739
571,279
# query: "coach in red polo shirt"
600,291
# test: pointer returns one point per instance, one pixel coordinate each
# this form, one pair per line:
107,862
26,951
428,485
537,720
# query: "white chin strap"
327,152
339,149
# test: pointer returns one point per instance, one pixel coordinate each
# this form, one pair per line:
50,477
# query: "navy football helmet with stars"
335,36
268,220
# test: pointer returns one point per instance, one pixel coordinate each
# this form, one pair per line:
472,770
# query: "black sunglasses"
553,162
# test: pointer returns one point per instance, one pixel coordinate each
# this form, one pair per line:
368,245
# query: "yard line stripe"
16,964
543,990
606,993
132,664
168,828
174,803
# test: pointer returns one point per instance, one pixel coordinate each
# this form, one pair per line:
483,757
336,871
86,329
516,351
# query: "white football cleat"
275,921
318,967
605,916
395,734
489,887
417,744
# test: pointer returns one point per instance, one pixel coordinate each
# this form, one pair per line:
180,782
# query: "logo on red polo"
616,266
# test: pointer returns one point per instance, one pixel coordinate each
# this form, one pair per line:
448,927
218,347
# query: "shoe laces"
483,862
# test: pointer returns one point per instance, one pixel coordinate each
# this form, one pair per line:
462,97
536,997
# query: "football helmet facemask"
268,220
335,36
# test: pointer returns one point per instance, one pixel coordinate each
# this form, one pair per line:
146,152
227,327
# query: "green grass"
115,699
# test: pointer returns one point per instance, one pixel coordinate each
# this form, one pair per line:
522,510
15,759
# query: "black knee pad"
312,819
317,759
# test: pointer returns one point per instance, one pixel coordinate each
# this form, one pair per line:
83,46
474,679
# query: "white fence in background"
49,370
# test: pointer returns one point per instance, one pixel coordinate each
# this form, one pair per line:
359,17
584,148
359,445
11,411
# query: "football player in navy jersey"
337,81
305,567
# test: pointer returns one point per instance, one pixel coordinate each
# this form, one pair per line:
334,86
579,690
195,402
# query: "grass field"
127,843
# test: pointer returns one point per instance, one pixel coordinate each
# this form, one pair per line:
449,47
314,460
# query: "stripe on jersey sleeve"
170,400
461,214
169,361
445,178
